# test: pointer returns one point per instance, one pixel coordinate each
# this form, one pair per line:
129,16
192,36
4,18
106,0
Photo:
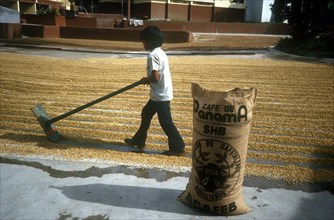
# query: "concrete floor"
47,188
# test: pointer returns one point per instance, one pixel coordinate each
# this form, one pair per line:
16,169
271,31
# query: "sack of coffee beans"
221,125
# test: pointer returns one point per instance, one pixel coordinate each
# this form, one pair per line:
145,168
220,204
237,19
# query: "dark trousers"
175,141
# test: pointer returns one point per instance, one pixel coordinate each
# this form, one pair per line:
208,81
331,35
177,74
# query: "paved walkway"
79,53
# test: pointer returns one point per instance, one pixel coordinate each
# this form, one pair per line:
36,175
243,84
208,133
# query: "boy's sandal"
173,153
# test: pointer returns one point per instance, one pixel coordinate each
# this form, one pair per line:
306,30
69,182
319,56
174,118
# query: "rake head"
49,129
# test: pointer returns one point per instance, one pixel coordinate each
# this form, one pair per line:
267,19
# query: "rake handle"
55,119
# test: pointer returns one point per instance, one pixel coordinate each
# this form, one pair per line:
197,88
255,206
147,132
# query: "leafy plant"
48,11
308,19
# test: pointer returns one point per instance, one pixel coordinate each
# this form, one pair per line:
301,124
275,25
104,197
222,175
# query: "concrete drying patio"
53,187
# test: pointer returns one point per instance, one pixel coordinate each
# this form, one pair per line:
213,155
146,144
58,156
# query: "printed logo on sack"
215,163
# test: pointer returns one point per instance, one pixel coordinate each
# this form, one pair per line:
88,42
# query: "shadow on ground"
134,197
71,141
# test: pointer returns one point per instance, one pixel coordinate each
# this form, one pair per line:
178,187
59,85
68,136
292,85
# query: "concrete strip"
53,189
242,34
81,53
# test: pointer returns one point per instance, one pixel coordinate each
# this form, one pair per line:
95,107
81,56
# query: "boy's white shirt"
163,89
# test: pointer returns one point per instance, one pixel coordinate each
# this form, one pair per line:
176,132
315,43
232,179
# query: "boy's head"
152,37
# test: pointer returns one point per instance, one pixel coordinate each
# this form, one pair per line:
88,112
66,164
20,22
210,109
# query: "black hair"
153,36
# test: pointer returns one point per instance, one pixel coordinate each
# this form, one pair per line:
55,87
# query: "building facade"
173,10
259,10
179,10
32,6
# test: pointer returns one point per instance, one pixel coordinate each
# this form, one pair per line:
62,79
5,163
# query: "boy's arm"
153,78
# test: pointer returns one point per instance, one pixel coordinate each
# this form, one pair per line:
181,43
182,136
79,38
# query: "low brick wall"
44,19
32,30
90,22
221,27
10,31
51,32
42,31
120,34
108,21
177,36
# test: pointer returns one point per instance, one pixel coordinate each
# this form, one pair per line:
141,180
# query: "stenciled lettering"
224,209
226,117
211,107
214,130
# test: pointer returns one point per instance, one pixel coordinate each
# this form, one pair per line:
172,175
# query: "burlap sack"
221,125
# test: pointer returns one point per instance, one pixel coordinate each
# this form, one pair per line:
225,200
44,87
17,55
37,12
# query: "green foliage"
321,46
280,10
308,19
49,11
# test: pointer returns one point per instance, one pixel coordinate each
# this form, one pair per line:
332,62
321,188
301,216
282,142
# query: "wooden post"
129,10
213,13
189,10
166,9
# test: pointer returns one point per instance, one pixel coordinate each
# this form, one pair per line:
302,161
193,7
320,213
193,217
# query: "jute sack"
221,125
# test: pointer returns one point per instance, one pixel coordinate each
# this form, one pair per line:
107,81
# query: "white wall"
258,10
9,16
266,10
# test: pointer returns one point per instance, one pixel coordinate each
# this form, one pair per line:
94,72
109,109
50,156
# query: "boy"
161,92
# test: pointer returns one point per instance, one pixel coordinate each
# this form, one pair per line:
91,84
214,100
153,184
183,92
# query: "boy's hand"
145,81
154,78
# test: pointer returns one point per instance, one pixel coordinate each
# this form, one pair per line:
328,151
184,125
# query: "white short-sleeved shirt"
161,90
